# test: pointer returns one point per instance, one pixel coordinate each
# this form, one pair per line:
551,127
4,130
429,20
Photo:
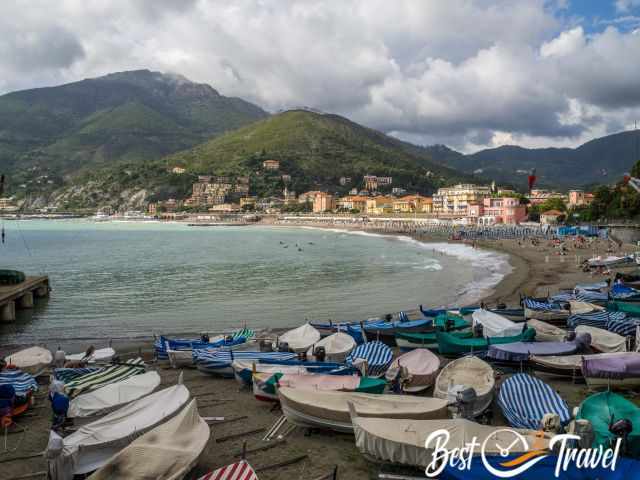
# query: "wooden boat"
385,332
243,370
451,345
409,341
524,400
265,385
619,370
602,340
545,311
330,410
300,339
605,408
517,353
337,347
494,325
545,332
560,365
420,366
577,307
375,355
168,451
218,362
466,372
33,360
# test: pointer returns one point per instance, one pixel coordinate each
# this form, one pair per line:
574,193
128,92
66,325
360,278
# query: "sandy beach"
537,270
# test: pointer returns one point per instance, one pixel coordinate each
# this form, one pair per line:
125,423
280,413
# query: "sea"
115,281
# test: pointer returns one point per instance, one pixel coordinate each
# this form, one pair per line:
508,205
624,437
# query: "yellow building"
353,202
412,204
225,208
380,205
323,202
271,165
455,200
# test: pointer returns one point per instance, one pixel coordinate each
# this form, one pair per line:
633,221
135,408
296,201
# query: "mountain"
134,115
602,160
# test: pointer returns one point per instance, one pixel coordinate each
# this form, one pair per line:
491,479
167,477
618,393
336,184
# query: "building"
353,202
248,202
370,182
6,205
398,191
271,165
353,191
289,196
539,196
226,208
493,210
345,181
411,204
308,196
454,201
324,202
385,180
178,170
551,217
380,205
286,178
578,198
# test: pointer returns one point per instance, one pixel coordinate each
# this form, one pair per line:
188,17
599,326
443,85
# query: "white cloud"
626,5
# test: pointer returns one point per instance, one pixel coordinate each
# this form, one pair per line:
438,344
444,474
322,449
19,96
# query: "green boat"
605,408
11,277
409,341
450,321
627,307
449,344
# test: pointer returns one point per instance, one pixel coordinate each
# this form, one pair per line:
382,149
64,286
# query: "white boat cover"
316,382
30,360
494,325
422,367
240,365
113,395
331,410
180,358
467,372
545,332
560,362
337,346
169,451
300,339
100,355
403,441
93,444
603,340
580,308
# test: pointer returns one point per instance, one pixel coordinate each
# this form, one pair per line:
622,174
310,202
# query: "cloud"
464,72
626,5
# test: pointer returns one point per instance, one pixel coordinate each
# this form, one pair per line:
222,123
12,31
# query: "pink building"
497,210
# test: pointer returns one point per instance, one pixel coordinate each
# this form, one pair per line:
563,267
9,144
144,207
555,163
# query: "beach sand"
536,271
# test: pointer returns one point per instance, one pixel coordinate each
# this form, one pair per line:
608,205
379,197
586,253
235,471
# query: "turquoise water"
128,280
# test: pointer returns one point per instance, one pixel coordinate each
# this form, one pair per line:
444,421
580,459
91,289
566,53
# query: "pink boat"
420,369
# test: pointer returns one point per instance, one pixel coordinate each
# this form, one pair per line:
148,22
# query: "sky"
470,74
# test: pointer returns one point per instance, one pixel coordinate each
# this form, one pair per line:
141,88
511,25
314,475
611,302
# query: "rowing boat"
265,385
417,370
452,345
409,341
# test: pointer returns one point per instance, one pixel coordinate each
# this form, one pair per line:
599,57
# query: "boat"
435,312
525,399
577,307
605,408
236,471
599,319
32,360
545,332
402,441
265,385
330,410
628,279
409,341
375,356
245,369
632,308
337,347
545,311
416,369
560,365
384,331
620,370
103,376
113,395
451,345
164,344
622,292
518,352
300,339
463,373
16,392
494,325
610,261
169,451
602,340
92,445
102,355
327,328
218,362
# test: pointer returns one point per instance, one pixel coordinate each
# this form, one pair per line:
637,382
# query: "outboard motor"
283,347
583,341
266,346
320,353
388,317
570,336
584,430
477,330
204,338
465,397
621,429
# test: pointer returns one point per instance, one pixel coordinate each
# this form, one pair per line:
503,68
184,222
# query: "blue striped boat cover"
22,382
563,297
620,292
597,286
625,327
591,297
211,360
403,317
163,343
525,399
377,355
540,306
65,375
595,319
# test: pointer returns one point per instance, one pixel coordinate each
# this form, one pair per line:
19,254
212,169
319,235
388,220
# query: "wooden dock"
22,295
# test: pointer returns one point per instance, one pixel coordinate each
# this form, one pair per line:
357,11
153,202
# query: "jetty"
21,296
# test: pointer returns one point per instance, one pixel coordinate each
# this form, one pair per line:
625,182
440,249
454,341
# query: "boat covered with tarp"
522,351
337,347
545,332
16,391
416,370
164,344
603,340
103,376
102,355
462,374
449,344
545,311
625,293
32,360
300,339
375,355
236,471
599,319
621,370
219,362
631,308
409,341
244,369
494,325
385,331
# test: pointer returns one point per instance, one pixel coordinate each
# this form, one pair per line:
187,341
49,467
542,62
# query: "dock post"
8,312
42,291
26,300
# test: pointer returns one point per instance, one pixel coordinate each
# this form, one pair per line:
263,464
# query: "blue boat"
218,362
377,355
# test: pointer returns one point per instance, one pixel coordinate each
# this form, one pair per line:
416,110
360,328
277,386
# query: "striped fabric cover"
524,400
620,292
65,375
591,297
22,382
540,306
245,333
562,297
625,327
595,319
236,471
377,355
160,344
403,317
104,376
211,361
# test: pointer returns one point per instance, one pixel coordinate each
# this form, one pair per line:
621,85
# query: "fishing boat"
602,340
32,360
337,347
610,261
524,400
417,370
236,471
604,409
300,339
561,365
518,352
164,345
327,328
628,279
16,392
265,385
545,311
92,445
168,451
219,362
545,332
102,355
452,345
624,293
409,341
244,370
600,319
95,379
463,373
434,312
384,331
330,410
632,308
375,356
113,395
577,307
494,325
619,370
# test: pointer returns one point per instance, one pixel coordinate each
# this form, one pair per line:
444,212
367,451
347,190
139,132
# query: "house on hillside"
271,165
551,217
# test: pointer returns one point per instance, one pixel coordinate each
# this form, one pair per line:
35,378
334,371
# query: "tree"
553,204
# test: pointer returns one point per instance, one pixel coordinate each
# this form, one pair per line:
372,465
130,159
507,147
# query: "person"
59,358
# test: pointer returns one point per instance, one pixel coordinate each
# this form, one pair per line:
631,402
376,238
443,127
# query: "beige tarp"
603,340
337,346
468,372
579,308
545,332
422,366
168,452
300,339
313,382
100,355
31,360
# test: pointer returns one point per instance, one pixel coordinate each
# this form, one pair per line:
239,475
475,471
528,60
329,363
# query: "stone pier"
21,296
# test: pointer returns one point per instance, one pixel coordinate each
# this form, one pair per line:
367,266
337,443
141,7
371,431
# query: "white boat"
243,370
610,261
580,308
604,341
612,370
545,332
494,325
110,396
92,445
33,360
330,410
463,373
169,451
101,217
421,366
337,347
180,358
103,355
300,339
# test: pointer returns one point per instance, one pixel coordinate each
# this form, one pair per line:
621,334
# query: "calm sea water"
128,280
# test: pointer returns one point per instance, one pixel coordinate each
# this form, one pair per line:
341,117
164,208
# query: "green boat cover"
604,408
449,344
430,337
456,322
11,277
367,384
627,307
